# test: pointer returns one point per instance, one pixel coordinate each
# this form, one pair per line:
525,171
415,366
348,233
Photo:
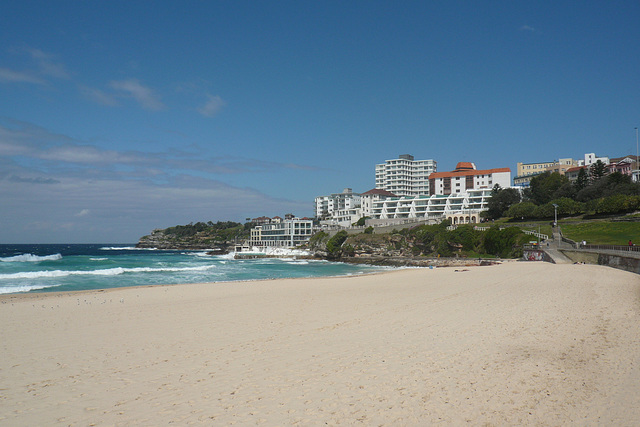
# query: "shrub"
522,210
334,245
504,243
619,203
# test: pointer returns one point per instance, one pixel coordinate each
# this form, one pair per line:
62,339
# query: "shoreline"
399,266
58,294
515,343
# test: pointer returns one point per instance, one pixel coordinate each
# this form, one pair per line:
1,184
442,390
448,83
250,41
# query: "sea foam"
31,258
24,288
103,272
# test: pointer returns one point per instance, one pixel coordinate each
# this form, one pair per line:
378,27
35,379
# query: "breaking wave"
105,272
24,288
31,258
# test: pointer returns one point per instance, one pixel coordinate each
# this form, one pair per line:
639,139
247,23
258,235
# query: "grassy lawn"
602,232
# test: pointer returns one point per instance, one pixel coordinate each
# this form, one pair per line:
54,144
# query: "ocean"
74,267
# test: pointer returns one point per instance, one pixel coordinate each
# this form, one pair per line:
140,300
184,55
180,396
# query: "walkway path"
553,250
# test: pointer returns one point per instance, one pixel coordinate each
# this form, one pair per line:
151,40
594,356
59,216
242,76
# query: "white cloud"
36,143
11,76
145,96
48,64
124,210
52,179
527,28
98,96
212,107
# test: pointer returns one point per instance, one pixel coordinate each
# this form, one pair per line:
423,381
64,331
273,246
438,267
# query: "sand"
518,343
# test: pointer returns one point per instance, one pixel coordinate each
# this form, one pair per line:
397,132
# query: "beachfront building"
286,233
405,176
462,208
459,195
368,198
465,177
328,206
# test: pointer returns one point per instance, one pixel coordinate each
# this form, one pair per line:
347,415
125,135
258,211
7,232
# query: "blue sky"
123,116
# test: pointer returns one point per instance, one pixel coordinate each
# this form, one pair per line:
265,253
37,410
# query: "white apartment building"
460,195
591,158
466,177
368,198
405,176
350,214
330,205
467,205
287,233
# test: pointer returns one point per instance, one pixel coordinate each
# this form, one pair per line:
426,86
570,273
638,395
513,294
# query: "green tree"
598,170
501,199
544,211
619,203
523,210
609,185
567,206
543,187
504,243
361,222
334,245
582,180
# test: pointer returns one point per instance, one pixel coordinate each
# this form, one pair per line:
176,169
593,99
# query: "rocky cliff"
218,237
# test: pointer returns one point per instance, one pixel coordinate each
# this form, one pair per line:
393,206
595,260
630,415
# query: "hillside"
219,236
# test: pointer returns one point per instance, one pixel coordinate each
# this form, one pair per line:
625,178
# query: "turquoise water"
42,268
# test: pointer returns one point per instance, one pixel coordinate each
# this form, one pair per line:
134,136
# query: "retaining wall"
616,261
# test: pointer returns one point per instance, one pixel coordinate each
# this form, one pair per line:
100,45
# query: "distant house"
572,173
261,220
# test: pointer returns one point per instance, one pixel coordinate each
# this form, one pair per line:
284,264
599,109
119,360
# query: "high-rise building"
405,176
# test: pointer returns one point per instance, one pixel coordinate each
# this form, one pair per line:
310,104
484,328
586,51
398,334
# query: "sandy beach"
511,344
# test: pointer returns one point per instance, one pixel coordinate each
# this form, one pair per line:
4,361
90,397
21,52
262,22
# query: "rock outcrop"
160,239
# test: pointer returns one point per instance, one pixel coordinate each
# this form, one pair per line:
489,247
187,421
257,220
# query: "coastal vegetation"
423,241
201,235
593,196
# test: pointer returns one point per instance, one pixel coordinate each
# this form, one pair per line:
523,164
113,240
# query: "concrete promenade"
617,256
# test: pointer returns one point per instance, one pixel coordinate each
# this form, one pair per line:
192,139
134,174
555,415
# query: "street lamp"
555,215
637,171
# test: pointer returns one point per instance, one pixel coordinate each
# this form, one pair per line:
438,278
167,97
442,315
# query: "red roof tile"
467,172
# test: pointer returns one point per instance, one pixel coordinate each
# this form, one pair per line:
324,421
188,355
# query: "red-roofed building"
466,177
572,173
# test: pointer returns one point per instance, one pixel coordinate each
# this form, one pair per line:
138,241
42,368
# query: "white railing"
535,233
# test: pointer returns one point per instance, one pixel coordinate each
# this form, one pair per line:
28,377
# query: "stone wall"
611,260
